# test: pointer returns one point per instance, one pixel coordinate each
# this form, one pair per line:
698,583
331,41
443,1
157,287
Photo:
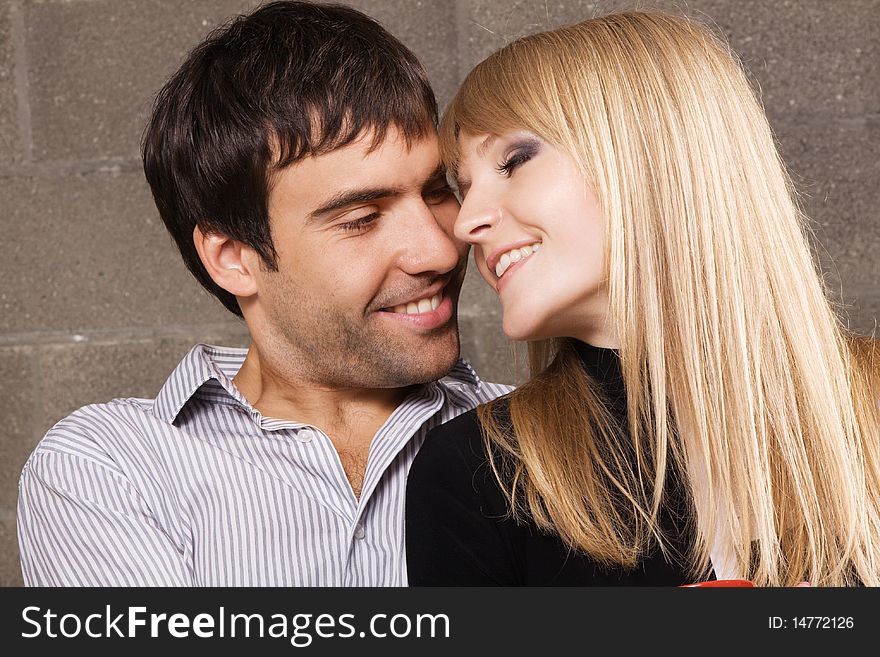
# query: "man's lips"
437,288
435,317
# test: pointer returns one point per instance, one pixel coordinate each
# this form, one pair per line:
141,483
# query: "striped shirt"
197,488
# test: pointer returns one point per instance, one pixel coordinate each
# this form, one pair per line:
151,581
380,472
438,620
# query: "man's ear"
230,263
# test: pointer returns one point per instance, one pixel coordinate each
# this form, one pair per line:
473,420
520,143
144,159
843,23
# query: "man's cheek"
445,213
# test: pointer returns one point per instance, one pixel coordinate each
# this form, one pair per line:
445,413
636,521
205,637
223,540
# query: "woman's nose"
474,224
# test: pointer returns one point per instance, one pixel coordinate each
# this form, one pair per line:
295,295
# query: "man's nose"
428,248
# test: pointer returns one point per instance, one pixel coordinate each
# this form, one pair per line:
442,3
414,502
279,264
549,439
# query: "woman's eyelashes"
518,155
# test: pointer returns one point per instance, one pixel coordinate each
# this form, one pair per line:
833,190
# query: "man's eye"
360,223
439,194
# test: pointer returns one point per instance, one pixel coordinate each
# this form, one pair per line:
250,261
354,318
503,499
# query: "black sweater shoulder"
457,524
458,442
459,531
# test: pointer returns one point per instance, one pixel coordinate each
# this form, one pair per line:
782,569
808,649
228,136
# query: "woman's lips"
512,269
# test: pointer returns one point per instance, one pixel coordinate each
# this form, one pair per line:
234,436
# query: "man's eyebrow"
350,197
438,176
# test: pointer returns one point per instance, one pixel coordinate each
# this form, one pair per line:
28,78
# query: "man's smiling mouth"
418,306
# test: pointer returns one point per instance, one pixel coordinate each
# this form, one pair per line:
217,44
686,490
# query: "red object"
722,582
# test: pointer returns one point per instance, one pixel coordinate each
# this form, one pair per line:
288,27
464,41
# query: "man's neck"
350,417
351,414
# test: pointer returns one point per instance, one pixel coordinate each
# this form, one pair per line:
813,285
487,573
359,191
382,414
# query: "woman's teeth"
514,255
420,306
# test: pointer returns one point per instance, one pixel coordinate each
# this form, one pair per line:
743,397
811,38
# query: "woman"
695,410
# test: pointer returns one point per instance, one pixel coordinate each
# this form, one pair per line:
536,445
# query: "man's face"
369,273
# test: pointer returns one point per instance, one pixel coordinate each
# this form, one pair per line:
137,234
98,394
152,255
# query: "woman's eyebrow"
485,145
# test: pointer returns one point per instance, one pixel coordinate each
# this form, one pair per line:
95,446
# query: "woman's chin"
521,332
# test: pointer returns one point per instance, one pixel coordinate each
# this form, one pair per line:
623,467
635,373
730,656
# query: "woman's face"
538,236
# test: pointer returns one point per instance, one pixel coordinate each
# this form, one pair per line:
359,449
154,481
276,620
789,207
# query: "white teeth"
420,306
514,255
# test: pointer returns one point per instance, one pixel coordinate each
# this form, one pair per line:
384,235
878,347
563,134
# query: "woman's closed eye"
517,156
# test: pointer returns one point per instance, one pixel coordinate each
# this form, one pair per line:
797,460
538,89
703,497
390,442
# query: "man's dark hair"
289,80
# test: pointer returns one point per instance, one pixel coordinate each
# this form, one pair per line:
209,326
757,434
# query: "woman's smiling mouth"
513,256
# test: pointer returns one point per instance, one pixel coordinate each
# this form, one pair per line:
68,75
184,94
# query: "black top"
458,531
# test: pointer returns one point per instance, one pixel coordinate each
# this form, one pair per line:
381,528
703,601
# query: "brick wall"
94,301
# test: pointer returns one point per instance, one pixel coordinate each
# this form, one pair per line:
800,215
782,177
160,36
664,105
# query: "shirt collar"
461,384
463,373
203,363
206,362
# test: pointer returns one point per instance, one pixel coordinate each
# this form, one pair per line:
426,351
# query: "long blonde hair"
736,367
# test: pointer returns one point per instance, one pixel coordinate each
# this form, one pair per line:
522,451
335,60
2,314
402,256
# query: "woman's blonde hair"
737,370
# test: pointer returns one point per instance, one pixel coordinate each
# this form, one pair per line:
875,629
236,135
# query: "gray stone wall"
94,301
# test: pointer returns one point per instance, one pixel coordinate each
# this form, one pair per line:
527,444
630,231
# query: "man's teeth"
515,255
420,306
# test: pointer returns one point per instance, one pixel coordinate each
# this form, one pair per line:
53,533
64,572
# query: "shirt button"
359,532
304,436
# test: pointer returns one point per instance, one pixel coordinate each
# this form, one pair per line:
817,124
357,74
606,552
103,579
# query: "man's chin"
428,372
424,360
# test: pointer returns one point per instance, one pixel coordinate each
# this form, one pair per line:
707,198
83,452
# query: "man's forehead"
366,148
393,162
341,142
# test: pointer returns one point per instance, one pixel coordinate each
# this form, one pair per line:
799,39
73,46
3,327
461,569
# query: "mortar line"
23,107
60,168
122,334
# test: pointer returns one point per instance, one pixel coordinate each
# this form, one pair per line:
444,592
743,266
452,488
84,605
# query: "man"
293,158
